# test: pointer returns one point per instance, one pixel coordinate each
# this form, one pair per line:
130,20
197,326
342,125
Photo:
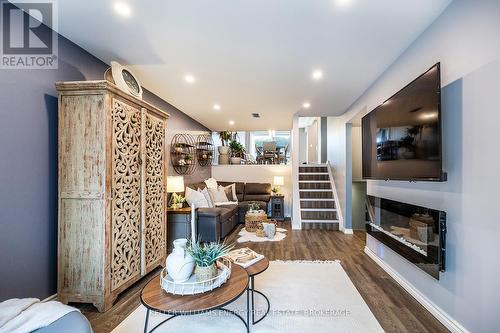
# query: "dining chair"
260,154
282,155
270,152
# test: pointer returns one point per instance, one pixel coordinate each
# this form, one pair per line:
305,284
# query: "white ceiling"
251,56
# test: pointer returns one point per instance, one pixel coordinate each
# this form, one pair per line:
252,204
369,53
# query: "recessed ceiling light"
317,74
189,78
343,3
306,105
122,9
231,122
216,107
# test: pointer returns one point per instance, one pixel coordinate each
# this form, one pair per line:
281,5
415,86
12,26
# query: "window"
253,139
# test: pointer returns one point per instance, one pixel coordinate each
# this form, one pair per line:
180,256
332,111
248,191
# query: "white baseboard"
50,298
348,231
435,310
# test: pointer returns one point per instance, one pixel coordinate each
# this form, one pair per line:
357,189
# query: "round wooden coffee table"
154,298
253,270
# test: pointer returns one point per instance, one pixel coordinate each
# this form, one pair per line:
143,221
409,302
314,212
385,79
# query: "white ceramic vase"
236,160
179,263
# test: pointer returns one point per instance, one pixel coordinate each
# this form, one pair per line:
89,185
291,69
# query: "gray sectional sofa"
216,223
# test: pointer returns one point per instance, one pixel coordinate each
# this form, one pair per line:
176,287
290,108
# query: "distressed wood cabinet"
112,200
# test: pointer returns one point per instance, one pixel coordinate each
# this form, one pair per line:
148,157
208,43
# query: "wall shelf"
183,153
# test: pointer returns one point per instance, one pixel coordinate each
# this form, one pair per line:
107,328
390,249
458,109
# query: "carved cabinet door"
126,194
154,201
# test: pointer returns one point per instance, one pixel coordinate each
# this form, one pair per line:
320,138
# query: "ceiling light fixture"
216,107
343,3
122,9
189,78
306,105
317,74
231,122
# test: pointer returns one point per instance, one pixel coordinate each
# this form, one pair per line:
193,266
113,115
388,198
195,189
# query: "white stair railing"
340,217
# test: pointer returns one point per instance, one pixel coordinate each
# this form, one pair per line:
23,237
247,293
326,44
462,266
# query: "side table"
253,270
277,203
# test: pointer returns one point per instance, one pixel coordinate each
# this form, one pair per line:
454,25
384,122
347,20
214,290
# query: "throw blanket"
29,314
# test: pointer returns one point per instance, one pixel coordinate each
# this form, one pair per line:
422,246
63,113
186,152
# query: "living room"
249,166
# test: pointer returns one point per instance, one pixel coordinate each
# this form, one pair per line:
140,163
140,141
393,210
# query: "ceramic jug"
179,263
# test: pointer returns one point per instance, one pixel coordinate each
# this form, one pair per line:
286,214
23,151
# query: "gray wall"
465,39
358,205
324,139
28,168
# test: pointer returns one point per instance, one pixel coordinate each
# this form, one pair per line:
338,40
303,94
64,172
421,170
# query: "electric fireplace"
416,233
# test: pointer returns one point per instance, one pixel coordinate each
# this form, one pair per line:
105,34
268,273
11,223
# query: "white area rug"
305,297
246,236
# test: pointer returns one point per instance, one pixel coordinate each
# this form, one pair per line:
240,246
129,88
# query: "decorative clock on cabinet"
123,78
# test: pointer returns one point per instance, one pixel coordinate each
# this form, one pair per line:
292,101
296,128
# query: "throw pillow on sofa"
230,192
207,196
195,198
218,195
211,183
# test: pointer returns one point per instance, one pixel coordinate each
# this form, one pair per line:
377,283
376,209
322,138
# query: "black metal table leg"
252,288
146,323
246,323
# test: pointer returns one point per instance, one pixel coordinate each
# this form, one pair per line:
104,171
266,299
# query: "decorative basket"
191,286
253,220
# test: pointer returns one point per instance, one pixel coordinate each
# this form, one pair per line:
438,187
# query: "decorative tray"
191,286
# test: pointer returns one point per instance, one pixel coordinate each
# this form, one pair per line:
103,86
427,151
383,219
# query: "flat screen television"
401,138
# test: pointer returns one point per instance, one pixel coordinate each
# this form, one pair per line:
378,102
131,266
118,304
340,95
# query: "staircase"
318,209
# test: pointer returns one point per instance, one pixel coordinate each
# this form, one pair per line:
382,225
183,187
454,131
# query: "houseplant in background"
224,137
177,200
237,152
188,159
253,207
205,257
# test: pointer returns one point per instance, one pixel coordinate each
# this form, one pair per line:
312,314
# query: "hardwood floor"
393,307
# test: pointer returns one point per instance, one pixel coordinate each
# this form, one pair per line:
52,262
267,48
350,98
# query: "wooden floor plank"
394,308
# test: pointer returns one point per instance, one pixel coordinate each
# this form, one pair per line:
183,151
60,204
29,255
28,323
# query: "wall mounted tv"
402,136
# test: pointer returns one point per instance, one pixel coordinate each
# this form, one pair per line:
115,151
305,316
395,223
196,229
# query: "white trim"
336,197
50,298
348,231
296,216
435,310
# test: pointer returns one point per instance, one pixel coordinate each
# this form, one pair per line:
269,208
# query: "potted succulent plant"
237,152
188,159
205,256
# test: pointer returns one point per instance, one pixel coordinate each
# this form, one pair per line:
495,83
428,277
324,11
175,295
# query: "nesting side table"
277,207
